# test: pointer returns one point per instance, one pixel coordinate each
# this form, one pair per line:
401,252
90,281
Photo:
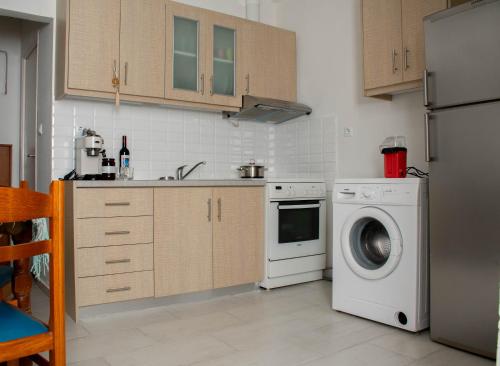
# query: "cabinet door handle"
117,204
394,67
406,52
247,89
202,81
426,139
427,103
211,85
125,232
115,261
209,204
126,73
119,289
219,209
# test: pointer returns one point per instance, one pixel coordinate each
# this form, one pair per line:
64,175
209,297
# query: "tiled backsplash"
161,139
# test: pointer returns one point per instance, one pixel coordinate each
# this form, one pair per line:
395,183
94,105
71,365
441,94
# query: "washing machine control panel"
398,194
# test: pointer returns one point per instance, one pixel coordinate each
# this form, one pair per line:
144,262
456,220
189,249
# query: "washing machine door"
371,243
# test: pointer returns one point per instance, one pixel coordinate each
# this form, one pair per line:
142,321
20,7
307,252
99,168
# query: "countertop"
169,183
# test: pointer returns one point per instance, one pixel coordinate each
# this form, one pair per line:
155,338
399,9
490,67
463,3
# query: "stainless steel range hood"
268,110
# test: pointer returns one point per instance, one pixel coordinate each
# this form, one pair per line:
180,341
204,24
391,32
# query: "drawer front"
103,232
111,202
115,259
113,288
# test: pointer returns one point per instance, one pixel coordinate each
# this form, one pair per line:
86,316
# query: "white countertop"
169,183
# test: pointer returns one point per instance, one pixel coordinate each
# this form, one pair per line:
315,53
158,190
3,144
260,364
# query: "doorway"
29,80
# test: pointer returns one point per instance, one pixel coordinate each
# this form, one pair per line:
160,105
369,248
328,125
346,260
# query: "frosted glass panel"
185,54
223,58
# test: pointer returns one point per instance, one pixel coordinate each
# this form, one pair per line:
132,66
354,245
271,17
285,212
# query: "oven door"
296,229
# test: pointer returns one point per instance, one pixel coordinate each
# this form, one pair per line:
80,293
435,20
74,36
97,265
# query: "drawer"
111,202
115,259
113,231
112,288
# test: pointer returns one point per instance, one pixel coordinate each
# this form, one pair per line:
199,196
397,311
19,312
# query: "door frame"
22,151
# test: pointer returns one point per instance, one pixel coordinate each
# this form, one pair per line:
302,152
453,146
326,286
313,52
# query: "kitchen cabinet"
128,241
185,54
203,52
93,44
224,53
182,240
164,52
142,48
269,68
393,44
238,253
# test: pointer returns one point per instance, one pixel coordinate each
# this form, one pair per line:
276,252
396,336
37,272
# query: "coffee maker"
88,155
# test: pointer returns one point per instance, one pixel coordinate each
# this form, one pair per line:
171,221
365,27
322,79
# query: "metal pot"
251,170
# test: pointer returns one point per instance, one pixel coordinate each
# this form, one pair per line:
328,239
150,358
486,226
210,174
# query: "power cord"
411,170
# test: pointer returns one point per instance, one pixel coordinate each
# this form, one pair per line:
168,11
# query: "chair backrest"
21,204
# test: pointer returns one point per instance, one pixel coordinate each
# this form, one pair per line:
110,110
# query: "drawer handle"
125,232
115,261
119,289
117,204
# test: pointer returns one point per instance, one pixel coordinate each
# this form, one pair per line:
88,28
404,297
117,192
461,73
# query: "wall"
10,104
160,139
329,40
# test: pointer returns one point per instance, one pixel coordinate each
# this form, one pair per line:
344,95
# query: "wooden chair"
22,336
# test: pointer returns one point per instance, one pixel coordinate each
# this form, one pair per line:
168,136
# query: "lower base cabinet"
182,240
207,238
238,232
126,244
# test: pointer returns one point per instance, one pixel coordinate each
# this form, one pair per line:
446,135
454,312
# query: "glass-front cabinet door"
185,62
223,54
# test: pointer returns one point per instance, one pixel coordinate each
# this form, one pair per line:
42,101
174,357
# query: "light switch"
348,132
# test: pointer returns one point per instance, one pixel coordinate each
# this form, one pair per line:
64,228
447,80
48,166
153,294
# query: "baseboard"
42,285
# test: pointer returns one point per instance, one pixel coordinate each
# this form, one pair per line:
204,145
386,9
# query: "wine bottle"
124,154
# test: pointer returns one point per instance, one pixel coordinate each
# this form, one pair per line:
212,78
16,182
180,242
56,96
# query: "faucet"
181,176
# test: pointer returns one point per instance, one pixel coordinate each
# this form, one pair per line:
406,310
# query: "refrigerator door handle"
427,103
427,143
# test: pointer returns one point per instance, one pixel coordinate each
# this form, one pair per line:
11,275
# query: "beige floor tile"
287,356
452,357
93,362
363,355
196,325
126,320
96,346
415,345
184,352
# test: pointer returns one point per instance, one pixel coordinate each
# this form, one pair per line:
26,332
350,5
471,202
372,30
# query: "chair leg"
25,362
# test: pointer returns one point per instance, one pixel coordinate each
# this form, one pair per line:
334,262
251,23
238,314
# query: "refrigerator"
462,146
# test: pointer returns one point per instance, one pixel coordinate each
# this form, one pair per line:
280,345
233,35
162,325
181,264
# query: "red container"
395,162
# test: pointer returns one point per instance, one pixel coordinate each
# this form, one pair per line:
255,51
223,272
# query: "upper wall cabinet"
93,47
165,52
393,44
269,66
185,64
142,48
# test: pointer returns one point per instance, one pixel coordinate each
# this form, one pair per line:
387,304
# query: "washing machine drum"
371,243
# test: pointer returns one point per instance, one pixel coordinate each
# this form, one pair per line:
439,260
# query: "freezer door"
462,50
464,213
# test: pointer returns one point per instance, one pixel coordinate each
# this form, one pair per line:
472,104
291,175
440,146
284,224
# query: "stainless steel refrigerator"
462,95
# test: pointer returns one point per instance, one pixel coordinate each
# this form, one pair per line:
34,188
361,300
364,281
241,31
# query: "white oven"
296,220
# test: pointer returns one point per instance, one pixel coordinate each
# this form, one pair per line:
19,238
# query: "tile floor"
283,327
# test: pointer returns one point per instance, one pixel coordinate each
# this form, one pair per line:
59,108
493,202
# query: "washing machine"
380,250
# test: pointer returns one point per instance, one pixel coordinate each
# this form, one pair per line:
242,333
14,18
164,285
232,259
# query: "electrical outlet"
348,132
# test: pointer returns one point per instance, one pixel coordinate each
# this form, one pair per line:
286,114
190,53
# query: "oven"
296,220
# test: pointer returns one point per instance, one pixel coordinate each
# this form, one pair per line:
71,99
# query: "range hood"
268,110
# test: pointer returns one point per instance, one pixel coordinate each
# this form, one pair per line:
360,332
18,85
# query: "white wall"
10,104
329,43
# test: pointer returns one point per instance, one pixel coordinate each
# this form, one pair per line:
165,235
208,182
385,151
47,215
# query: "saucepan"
251,170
